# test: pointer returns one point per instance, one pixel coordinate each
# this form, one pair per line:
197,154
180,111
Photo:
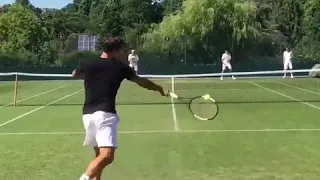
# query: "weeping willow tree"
309,46
204,29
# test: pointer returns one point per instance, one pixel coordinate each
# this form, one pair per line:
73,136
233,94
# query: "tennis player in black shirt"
102,79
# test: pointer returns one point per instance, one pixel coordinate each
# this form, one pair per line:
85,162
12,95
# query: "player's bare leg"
232,75
287,66
285,73
224,67
95,168
136,69
221,78
230,71
291,74
290,67
99,174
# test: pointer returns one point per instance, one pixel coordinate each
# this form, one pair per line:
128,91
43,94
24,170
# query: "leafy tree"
204,26
171,6
200,30
84,7
62,24
71,7
4,8
96,18
309,46
23,2
312,18
141,12
112,23
77,2
289,19
137,16
21,30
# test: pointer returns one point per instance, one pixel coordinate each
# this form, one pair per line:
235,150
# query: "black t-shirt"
102,79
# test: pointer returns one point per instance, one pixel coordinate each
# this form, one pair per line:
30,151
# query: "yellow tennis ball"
206,97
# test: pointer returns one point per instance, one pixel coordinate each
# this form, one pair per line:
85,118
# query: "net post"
15,96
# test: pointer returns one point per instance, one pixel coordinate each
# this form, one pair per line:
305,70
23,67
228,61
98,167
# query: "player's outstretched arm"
74,74
77,75
148,84
78,72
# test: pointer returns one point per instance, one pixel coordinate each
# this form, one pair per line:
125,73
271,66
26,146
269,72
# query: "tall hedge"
73,58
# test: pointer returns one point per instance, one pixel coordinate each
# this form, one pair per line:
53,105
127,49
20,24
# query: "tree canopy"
198,29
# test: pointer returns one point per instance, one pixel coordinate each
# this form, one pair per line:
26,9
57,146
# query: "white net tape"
254,73
34,74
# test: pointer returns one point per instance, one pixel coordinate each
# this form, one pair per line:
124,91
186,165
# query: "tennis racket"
202,107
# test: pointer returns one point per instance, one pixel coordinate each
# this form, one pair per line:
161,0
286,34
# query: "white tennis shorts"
134,66
287,65
226,65
101,129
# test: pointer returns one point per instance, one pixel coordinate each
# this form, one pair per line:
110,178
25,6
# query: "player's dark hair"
111,44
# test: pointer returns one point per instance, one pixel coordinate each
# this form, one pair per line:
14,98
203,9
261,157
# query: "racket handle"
173,95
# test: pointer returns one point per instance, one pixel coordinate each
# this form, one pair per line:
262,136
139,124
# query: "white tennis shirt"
287,56
133,59
226,58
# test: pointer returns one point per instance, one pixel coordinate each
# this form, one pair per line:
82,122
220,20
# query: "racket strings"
203,108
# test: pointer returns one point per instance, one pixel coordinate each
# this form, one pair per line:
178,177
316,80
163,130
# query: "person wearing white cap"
133,59
226,63
287,63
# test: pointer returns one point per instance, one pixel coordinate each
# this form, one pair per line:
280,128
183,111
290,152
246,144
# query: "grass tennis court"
267,129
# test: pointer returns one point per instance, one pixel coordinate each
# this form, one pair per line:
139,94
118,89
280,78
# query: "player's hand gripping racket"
202,107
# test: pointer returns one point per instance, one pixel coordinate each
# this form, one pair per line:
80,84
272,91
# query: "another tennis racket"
202,107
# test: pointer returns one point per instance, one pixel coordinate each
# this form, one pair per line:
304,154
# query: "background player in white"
287,63
133,59
226,63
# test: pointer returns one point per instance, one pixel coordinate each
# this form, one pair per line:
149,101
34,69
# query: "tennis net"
30,89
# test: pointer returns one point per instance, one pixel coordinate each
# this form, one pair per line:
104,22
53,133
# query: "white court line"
174,114
218,89
184,131
215,81
296,87
39,108
36,95
227,80
289,97
211,80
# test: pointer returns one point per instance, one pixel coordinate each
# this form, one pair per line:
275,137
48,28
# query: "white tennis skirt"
101,129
